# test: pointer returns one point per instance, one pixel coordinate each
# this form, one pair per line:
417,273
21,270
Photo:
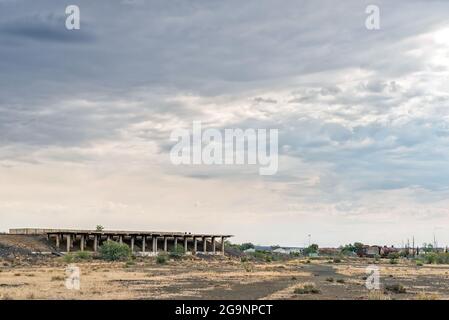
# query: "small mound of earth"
12,245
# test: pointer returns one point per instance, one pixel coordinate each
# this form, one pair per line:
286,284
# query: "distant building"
279,250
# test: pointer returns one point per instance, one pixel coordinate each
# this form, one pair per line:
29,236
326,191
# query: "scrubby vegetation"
378,295
307,288
312,249
427,296
393,261
177,253
161,259
114,251
249,267
350,249
396,288
436,258
77,256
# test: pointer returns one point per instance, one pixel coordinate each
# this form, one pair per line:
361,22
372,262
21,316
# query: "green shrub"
69,258
330,279
177,253
113,251
436,258
336,260
161,259
393,255
77,256
393,261
419,263
246,246
83,255
340,280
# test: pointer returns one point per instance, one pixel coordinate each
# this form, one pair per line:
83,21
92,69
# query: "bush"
69,258
393,261
113,251
312,249
336,260
396,288
77,256
177,252
341,281
83,255
306,288
330,279
248,266
436,258
246,246
161,259
393,255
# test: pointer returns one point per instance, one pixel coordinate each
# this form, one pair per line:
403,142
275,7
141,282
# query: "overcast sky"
363,117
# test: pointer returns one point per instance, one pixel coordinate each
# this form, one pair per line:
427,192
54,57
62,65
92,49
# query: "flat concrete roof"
36,231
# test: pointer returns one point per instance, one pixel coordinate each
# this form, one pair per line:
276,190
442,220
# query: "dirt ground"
219,278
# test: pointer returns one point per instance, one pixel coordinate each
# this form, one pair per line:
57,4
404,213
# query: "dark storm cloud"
43,28
226,49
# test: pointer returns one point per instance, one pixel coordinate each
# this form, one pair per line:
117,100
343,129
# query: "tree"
246,246
313,248
427,247
99,227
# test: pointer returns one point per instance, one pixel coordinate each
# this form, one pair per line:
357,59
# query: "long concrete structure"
140,242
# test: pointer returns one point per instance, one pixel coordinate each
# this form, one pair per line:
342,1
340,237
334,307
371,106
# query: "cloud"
362,115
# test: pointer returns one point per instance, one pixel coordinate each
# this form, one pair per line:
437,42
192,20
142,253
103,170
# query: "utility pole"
413,246
434,243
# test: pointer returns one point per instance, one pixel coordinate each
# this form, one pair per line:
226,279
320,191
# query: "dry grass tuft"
427,296
306,288
378,295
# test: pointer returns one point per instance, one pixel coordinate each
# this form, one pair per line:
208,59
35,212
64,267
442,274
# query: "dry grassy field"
220,278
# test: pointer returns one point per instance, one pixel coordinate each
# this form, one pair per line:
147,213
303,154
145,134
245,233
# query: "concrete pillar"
204,244
165,244
223,245
95,243
154,239
57,241
120,239
132,243
185,244
69,243
195,244
176,243
213,245
143,243
82,242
